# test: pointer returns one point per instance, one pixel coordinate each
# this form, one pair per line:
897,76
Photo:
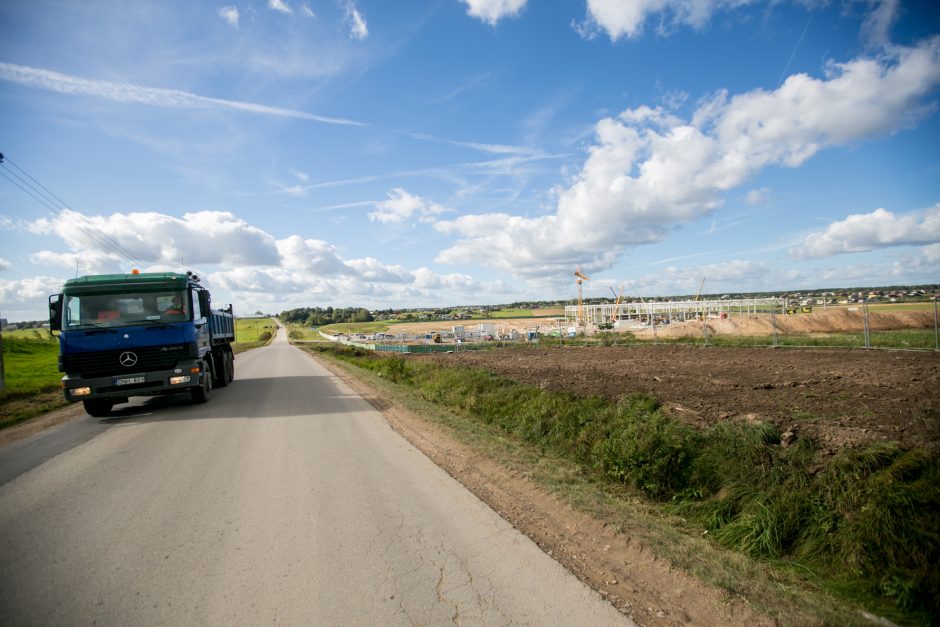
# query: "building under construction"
666,312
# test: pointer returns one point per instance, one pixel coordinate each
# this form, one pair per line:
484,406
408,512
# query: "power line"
41,194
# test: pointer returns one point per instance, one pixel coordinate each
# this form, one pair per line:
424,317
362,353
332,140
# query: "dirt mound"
842,398
826,321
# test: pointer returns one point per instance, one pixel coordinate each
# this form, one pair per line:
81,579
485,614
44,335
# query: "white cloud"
26,292
401,206
230,15
358,29
4,264
619,18
877,26
306,11
280,6
205,237
868,231
757,196
649,170
151,96
492,11
371,269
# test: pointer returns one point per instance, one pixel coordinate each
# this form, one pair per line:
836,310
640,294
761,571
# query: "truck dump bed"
222,326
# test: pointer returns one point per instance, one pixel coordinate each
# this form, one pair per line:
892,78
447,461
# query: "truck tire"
202,393
231,366
223,378
98,407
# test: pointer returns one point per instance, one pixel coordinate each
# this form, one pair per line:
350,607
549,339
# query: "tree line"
318,316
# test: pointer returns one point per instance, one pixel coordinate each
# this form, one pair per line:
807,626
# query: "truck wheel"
223,378
98,407
231,367
202,393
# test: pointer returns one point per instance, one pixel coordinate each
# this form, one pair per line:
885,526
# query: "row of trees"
318,316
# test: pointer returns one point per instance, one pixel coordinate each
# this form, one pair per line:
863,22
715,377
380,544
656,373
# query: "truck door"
201,321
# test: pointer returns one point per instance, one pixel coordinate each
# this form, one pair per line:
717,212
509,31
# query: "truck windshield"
125,309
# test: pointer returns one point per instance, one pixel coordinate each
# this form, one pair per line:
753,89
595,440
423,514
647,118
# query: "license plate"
129,380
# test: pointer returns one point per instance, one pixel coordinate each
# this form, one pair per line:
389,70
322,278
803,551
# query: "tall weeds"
864,522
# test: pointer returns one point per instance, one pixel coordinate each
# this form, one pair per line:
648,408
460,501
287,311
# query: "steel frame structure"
673,311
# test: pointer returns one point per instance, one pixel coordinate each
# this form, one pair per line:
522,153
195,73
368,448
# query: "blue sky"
356,152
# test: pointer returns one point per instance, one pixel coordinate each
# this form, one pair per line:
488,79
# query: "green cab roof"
145,280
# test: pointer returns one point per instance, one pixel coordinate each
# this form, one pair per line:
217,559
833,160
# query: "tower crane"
581,278
619,297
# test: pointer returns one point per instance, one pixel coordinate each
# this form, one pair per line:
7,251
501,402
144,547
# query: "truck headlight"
80,391
178,380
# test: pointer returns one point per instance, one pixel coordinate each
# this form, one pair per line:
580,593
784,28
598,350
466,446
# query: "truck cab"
136,334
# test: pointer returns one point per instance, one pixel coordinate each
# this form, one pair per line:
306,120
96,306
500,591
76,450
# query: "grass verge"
860,527
31,378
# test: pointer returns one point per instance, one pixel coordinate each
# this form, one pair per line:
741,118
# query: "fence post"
865,326
773,324
2,381
936,328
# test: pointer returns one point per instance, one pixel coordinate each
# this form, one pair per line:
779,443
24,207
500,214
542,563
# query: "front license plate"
129,380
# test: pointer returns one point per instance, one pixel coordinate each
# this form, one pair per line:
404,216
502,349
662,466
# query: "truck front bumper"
180,379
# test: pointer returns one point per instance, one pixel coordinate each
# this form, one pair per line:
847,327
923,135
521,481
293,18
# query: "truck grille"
107,363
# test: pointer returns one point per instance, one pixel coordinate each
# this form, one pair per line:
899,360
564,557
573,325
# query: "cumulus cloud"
868,231
128,93
4,264
401,206
230,15
280,6
358,29
492,11
205,237
649,170
27,292
618,18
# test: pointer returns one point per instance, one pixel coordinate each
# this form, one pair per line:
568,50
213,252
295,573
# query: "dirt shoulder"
841,398
32,426
612,561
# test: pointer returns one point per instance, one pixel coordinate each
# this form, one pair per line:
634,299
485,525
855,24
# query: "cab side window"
197,310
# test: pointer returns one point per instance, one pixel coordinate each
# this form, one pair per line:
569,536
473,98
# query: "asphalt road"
287,499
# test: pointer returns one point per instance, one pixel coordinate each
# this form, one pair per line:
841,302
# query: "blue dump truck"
140,334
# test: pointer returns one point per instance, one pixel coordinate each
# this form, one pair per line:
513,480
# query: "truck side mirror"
204,303
55,312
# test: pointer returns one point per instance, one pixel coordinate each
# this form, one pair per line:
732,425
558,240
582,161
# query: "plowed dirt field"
841,398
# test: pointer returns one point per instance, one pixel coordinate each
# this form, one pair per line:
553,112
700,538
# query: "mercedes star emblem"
128,359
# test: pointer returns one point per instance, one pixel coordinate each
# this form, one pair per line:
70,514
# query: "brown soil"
616,563
832,320
841,398
838,320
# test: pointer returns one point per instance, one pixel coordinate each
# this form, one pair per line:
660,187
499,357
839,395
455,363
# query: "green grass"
861,525
29,334
512,313
910,339
304,333
31,377
365,328
250,329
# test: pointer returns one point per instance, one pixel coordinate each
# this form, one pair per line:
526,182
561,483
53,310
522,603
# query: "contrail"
152,96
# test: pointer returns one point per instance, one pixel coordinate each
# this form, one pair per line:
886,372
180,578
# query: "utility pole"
2,377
